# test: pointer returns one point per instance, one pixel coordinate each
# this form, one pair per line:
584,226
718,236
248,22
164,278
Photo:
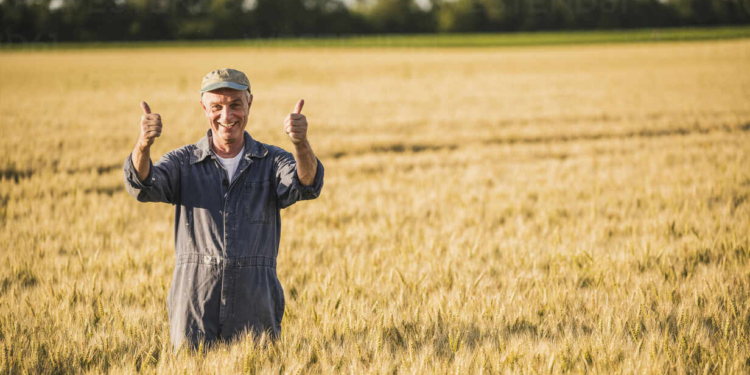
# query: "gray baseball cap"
225,78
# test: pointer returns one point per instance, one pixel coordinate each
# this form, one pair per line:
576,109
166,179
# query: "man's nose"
224,115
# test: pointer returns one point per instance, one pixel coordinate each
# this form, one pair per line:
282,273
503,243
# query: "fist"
295,124
150,127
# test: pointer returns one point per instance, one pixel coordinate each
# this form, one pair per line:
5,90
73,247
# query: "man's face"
227,111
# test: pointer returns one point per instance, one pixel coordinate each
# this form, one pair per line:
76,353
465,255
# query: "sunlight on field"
518,210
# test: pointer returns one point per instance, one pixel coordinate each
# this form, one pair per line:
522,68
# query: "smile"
229,125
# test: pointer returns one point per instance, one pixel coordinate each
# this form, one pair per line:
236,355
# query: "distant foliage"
26,21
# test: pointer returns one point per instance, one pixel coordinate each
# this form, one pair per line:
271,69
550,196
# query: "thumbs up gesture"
150,127
295,125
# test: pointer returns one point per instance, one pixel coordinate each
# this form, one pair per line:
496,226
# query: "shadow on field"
448,339
553,138
11,173
18,174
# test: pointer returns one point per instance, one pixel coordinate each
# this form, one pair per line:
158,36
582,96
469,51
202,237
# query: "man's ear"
249,101
202,105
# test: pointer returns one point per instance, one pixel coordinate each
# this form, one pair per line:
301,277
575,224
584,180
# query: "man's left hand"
295,125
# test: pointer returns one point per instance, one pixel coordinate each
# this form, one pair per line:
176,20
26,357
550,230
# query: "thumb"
146,108
298,108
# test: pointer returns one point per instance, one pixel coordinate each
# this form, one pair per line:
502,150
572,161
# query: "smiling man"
227,190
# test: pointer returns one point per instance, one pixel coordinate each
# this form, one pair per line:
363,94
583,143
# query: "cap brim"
223,85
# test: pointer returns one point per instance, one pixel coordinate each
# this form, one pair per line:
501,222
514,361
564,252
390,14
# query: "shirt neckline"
233,158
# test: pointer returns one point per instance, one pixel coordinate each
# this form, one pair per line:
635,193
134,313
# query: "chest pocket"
258,202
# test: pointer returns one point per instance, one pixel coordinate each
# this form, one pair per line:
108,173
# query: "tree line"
121,20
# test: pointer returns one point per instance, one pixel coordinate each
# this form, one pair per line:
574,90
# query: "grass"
551,210
425,40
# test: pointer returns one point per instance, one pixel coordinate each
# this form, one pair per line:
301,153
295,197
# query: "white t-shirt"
231,164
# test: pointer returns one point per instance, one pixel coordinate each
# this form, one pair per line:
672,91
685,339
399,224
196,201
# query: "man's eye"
235,106
216,108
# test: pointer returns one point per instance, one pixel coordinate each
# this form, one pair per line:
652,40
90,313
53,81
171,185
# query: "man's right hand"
150,127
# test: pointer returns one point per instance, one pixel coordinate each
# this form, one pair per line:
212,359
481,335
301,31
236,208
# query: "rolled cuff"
311,191
131,175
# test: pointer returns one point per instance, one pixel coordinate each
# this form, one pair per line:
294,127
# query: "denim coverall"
226,236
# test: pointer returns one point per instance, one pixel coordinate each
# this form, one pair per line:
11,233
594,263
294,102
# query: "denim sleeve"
162,183
289,189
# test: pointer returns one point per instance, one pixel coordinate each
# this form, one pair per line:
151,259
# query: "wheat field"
568,209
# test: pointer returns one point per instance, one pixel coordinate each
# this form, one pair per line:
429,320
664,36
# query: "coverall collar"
203,149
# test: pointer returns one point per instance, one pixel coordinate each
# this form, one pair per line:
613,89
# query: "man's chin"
228,135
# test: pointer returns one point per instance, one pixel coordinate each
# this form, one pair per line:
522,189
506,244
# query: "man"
227,190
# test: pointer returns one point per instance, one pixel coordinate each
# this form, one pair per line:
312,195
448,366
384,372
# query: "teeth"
227,125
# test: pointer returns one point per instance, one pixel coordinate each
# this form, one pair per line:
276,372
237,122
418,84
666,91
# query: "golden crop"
517,210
